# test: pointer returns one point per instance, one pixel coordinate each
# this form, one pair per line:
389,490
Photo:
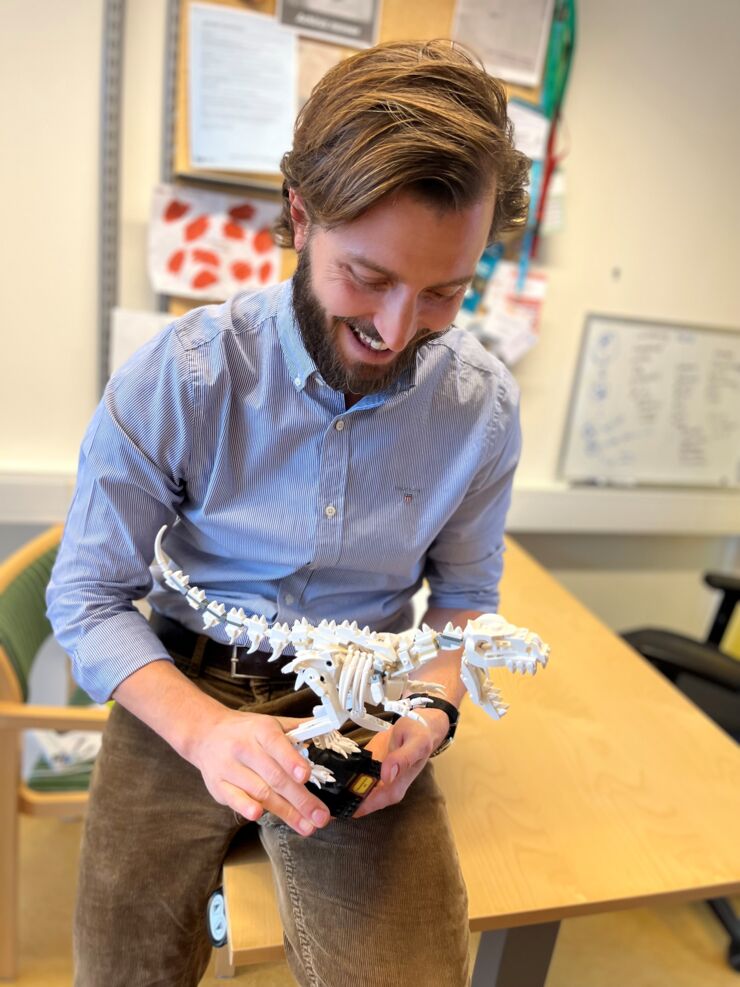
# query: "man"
324,446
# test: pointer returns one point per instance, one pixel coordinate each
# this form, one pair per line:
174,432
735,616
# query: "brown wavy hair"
419,116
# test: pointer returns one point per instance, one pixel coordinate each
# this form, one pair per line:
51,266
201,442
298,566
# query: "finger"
259,798
271,737
387,793
380,798
238,800
293,792
410,755
283,809
374,801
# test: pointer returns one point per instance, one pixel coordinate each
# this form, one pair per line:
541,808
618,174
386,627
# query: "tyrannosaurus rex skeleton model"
348,667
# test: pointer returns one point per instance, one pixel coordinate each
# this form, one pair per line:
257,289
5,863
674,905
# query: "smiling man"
390,309
324,447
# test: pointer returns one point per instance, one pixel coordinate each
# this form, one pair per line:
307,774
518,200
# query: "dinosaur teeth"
196,597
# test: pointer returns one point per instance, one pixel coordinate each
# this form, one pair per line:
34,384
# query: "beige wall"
49,106
652,230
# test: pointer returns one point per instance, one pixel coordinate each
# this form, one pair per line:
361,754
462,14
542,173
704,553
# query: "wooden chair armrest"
24,716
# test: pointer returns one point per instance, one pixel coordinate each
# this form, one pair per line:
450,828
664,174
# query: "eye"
444,296
369,285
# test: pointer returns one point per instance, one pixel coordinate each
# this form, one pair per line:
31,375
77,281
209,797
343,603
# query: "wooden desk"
602,788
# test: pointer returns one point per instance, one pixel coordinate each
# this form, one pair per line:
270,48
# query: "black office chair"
711,679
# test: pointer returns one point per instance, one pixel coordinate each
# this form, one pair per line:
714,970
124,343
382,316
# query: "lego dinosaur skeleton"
348,667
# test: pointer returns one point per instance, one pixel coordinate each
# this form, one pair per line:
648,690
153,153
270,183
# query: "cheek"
438,317
343,300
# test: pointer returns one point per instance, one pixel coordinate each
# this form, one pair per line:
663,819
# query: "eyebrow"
371,265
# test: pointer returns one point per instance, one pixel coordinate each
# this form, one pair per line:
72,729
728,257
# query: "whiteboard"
654,403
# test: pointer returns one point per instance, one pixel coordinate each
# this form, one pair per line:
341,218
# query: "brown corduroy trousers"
371,902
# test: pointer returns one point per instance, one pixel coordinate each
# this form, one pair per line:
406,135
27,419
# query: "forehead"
413,240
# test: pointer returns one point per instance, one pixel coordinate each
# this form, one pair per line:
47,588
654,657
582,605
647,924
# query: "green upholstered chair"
24,577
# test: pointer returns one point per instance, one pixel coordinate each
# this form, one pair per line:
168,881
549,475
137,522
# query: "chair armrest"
24,716
676,653
723,581
730,588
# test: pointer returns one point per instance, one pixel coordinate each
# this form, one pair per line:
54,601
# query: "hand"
248,763
404,750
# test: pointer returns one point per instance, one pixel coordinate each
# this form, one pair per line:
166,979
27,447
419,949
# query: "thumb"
398,755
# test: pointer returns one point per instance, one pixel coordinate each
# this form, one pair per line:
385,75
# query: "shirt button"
330,511
289,599
297,381
339,425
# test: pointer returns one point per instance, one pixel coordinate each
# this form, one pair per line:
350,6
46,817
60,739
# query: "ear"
299,218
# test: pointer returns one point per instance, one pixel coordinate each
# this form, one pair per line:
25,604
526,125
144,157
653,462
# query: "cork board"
400,20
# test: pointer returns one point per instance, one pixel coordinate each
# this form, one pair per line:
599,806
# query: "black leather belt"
203,652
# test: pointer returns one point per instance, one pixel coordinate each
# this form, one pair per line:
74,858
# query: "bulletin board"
401,20
656,404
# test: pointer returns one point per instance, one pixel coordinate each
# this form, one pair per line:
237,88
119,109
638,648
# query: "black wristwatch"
453,714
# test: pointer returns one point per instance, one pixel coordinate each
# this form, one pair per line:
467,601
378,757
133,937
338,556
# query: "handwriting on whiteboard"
655,403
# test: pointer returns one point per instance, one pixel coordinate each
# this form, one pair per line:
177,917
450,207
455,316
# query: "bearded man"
324,447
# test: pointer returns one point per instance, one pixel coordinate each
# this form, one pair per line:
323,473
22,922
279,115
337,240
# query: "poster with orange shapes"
209,244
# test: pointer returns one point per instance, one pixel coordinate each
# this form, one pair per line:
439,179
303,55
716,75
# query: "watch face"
443,746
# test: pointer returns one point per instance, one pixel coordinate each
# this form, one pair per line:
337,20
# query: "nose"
396,320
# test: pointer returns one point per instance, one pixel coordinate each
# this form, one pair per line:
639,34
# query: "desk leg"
515,957
224,967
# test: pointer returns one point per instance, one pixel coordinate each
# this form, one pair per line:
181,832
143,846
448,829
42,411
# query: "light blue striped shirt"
287,503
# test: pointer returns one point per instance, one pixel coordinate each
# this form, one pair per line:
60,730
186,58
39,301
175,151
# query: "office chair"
710,677
23,629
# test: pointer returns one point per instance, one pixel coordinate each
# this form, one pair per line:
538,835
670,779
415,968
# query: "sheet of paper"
352,22
242,96
510,36
508,322
209,244
531,130
553,220
129,330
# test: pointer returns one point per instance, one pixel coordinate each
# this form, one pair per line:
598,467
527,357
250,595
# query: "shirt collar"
299,363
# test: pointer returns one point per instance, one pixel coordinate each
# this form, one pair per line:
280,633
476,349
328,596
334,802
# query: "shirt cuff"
485,601
113,650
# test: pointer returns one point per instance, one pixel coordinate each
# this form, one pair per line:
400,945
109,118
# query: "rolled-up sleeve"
465,562
131,478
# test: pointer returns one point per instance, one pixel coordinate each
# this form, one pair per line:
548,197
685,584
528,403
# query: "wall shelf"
43,498
610,510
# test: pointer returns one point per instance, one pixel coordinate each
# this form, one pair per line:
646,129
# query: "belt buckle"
234,674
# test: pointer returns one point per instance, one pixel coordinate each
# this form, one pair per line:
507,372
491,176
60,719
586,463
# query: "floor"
676,946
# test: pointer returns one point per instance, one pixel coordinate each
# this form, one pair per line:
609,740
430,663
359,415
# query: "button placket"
333,464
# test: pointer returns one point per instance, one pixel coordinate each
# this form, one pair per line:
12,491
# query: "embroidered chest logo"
409,494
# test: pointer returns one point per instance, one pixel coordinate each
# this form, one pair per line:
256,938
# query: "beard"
319,334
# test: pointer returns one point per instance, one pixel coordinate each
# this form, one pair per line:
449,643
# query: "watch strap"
453,714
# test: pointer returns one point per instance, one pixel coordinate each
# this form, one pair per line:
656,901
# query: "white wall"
653,212
652,230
